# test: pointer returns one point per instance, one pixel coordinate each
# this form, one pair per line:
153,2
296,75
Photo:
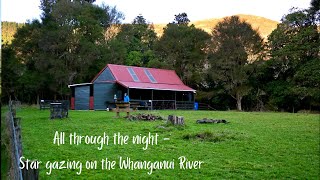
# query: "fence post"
15,151
151,104
30,174
18,135
14,130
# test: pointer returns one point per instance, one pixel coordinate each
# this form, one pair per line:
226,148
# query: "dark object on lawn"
176,120
203,121
144,117
46,104
58,110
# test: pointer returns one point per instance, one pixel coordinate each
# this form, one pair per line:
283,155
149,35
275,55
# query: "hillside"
8,30
265,26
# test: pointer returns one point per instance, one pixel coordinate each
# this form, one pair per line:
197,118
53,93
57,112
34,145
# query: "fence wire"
15,144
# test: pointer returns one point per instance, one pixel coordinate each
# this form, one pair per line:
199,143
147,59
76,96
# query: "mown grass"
252,146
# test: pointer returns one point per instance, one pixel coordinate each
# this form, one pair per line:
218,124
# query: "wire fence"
14,135
15,146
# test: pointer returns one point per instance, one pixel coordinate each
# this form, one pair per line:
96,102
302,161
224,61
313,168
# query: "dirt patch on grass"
170,127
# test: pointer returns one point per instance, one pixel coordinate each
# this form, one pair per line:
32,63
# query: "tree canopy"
134,43
183,48
294,49
235,45
65,48
181,19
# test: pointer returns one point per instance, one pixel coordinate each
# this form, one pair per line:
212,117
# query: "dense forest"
232,67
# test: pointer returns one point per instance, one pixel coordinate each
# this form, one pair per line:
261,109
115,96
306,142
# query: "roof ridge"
151,82
142,67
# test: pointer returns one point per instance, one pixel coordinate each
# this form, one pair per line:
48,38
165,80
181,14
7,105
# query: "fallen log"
145,117
203,121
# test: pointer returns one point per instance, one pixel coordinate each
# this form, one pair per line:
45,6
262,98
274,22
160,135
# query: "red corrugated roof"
165,79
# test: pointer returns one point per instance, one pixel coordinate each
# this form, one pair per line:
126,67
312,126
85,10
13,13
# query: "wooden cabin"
151,87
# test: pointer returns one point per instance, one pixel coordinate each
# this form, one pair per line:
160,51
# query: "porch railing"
164,104
184,105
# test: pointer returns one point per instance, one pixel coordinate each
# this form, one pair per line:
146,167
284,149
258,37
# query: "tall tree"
294,49
31,80
235,44
314,11
71,42
136,42
183,48
181,19
10,72
67,46
139,20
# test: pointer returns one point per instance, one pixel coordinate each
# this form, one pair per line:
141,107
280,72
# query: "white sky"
163,11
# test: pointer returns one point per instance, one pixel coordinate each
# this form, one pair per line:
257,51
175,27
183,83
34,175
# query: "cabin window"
133,75
151,78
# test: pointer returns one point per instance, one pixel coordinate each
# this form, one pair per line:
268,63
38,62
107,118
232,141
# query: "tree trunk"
38,97
239,98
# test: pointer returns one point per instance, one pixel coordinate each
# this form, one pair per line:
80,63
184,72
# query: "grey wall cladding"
82,96
102,93
106,75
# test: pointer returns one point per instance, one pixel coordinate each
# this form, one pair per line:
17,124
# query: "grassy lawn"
252,146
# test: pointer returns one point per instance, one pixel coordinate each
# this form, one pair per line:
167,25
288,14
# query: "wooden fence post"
18,135
14,130
30,174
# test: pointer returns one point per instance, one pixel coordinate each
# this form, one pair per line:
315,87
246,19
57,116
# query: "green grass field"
252,146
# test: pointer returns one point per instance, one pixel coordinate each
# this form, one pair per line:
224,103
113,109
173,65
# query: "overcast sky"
163,11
